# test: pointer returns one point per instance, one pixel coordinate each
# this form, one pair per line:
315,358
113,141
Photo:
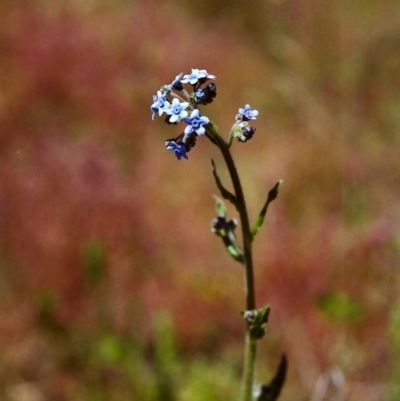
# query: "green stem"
250,345
249,365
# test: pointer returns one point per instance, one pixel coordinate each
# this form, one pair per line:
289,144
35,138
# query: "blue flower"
195,76
206,95
176,83
195,123
178,149
247,113
177,110
160,103
206,75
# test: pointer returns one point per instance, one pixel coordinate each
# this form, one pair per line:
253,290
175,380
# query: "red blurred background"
112,286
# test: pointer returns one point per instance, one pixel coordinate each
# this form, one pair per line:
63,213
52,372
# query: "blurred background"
112,286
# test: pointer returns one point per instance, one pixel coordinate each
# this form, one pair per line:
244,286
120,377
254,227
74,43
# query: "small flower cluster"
176,110
226,230
257,321
241,129
177,103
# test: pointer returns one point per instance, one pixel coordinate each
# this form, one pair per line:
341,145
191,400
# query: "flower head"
247,133
177,110
160,103
176,83
195,123
206,95
247,114
197,76
182,144
178,149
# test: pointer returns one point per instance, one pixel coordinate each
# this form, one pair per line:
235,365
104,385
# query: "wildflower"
178,149
247,133
176,83
181,144
206,95
206,76
177,110
242,131
197,76
160,103
195,123
247,114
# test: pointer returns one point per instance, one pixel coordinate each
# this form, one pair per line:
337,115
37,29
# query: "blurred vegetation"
112,286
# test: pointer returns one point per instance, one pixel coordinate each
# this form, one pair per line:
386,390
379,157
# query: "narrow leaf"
235,252
220,206
271,391
272,194
224,192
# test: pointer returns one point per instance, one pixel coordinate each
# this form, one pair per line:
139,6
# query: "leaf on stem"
224,192
220,206
271,391
235,252
272,194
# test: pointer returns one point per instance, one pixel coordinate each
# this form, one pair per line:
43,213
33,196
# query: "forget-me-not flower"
206,75
206,95
247,113
160,103
178,149
195,123
176,83
195,76
177,110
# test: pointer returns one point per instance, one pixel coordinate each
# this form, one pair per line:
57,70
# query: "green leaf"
220,206
272,194
224,192
235,252
272,390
